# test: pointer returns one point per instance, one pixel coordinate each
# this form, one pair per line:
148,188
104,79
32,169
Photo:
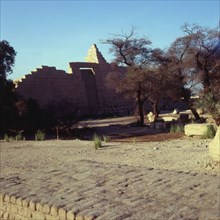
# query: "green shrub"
19,137
39,135
176,128
6,138
97,141
210,132
106,138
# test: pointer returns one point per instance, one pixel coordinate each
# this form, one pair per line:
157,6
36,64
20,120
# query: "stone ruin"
83,86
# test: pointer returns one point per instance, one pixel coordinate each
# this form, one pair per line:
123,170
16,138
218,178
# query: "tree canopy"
7,59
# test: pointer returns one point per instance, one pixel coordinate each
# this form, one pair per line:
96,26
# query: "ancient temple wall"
84,86
51,87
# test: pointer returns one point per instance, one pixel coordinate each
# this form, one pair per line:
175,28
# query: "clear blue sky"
57,32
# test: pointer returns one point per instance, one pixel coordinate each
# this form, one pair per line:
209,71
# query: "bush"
19,137
39,135
6,138
176,128
106,138
210,132
97,141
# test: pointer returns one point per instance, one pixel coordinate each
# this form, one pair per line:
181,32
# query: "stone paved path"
116,192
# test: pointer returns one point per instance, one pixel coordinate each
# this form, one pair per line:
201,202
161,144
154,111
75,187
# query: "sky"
54,33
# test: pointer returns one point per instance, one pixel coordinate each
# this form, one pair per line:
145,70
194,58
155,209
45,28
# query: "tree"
201,62
182,67
7,96
133,84
7,59
164,84
133,53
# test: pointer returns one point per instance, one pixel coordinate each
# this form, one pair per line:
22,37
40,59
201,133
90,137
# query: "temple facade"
83,86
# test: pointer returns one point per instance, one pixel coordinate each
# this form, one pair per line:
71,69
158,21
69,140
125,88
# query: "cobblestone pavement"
106,191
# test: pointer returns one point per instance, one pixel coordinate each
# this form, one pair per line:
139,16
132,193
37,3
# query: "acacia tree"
182,67
200,61
147,76
164,84
133,53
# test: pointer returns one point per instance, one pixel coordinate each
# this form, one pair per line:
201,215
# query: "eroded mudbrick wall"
84,86
12,207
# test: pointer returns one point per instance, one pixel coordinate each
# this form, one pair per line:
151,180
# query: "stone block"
13,199
7,198
79,217
11,216
8,207
14,209
54,211
70,215
19,202
50,217
214,147
62,214
39,207
32,205
169,118
6,215
1,197
38,215
196,129
46,209
17,217
24,202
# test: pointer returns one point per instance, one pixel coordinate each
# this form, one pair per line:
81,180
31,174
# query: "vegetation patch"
97,141
106,138
40,135
210,132
176,128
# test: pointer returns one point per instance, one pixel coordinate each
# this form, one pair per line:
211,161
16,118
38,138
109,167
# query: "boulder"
214,147
151,117
196,129
176,111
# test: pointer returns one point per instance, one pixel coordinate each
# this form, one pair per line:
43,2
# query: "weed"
39,135
106,138
6,138
19,137
97,141
176,128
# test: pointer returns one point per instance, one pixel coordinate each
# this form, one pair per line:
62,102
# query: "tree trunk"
141,113
154,104
155,109
140,105
195,113
188,101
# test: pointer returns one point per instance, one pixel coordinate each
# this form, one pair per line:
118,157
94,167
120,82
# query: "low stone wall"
13,208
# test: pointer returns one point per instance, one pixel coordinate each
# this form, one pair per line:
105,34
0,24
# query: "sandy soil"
141,174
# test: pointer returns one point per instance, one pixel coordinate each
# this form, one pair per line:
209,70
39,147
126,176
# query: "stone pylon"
214,147
94,55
